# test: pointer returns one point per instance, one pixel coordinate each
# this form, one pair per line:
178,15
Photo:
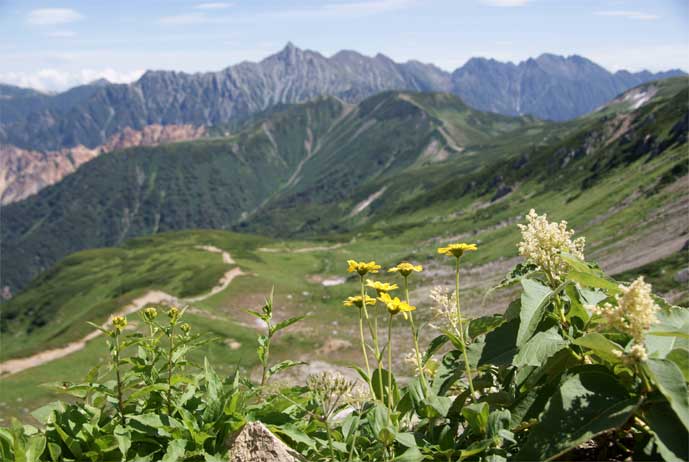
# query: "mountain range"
45,137
328,166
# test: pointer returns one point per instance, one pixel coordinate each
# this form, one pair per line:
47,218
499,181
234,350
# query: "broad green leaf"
476,415
42,414
670,381
586,404
484,324
669,333
601,346
539,348
534,300
680,356
34,448
406,439
671,438
388,381
410,455
593,280
213,458
175,451
294,434
499,346
124,439
498,420
589,275
434,346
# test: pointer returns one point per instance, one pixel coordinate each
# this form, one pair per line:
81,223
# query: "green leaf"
406,439
589,275
484,324
668,333
389,383
670,381
534,300
410,455
42,414
211,458
601,346
381,425
593,280
500,345
34,448
434,346
680,356
540,347
175,451
282,365
124,439
672,440
286,323
587,403
476,415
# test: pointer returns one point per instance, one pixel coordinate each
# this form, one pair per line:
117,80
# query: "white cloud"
213,6
189,18
336,9
508,3
637,15
52,16
51,80
364,7
62,34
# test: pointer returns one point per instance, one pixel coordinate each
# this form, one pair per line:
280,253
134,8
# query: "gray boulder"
255,443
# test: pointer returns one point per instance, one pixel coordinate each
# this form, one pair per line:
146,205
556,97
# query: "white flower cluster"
330,390
634,314
542,242
444,309
428,369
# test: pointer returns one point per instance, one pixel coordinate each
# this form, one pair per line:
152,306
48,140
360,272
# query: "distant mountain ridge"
548,87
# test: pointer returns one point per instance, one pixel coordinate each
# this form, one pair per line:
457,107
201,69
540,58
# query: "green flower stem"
461,334
363,349
374,335
120,401
169,370
330,439
415,337
389,365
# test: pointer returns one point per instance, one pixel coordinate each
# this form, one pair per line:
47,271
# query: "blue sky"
52,45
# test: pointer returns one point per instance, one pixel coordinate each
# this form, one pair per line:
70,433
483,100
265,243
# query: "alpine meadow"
344,256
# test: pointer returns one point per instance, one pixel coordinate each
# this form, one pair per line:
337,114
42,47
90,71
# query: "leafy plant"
579,367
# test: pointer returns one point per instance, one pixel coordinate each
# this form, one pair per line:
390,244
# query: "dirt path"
13,366
321,248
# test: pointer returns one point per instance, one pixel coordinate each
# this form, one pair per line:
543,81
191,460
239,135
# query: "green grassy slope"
323,149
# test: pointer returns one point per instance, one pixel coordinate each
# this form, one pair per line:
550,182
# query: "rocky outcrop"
255,443
24,172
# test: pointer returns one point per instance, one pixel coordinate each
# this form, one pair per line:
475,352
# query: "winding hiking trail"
14,366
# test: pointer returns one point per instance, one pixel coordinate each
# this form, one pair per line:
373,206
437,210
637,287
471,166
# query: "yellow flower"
173,314
405,268
456,250
395,305
186,327
362,267
119,322
150,313
356,301
381,287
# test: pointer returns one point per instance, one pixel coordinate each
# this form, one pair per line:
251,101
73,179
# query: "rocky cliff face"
549,87
24,172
